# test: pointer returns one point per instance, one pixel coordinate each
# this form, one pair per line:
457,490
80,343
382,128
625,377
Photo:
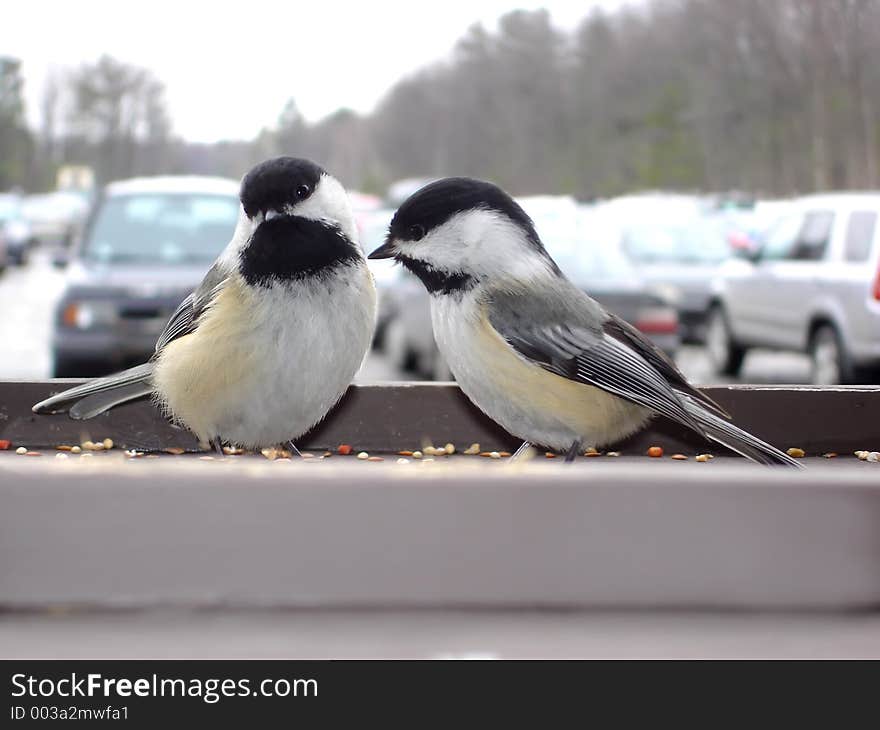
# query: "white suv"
813,286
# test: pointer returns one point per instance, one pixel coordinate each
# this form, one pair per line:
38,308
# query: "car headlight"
670,293
16,231
89,315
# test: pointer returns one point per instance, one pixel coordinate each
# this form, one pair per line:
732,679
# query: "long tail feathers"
96,396
726,434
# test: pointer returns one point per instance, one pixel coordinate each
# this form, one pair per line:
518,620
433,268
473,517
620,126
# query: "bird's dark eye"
303,191
416,232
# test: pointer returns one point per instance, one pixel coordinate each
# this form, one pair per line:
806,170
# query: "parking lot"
28,296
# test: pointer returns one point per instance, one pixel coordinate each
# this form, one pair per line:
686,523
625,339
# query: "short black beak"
386,251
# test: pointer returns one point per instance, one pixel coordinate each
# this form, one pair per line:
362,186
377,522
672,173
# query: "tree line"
770,96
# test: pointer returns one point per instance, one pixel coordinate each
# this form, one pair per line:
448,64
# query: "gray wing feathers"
137,376
569,334
567,338
185,317
726,434
93,405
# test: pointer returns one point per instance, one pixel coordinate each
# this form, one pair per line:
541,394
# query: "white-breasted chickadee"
274,334
529,348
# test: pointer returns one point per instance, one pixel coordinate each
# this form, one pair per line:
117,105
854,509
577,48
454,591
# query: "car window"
697,241
10,209
860,235
812,240
780,237
161,228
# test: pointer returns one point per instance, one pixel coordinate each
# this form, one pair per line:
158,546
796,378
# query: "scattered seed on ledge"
504,454
363,456
63,447
830,455
344,449
61,455
494,455
678,457
33,453
270,454
375,458
403,461
655,452
174,450
430,451
796,453
107,444
449,449
874,457
613,453
5,444
326,454
21,450
405,453
703,457
549,455
472,450
862,455
416,454
76,449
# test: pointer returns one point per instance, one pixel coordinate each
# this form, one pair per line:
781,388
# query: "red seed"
5,444
344,449
655,451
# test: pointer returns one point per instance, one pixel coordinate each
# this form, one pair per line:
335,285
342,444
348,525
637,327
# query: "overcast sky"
229,67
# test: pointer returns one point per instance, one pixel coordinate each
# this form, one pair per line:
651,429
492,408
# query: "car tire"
725,355
829,364
395,346
70,367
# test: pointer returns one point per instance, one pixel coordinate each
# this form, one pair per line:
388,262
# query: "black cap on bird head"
278,183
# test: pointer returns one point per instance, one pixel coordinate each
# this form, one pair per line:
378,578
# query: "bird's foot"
521,450
217,445
291,447
573,451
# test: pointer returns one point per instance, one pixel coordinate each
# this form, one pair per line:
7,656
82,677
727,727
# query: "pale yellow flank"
590,412
198,373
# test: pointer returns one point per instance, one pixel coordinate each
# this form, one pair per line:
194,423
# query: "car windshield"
694,242
161,228
586,252
10,208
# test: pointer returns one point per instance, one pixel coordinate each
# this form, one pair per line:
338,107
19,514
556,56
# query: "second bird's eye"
303,191
416,232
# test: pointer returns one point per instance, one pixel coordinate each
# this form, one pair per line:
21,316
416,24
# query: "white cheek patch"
329,202
483,243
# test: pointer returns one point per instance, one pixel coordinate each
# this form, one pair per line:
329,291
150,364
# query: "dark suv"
147,244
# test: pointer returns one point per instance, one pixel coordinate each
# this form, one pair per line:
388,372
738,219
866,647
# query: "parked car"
680,256
15,230
373,227
813,286
147,244
574,238
55,216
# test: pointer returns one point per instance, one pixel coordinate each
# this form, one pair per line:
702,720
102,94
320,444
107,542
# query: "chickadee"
274,334
529,348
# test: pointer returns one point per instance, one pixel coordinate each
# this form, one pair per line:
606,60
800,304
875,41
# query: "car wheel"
68,367
828,361
725,356
440,370
395,346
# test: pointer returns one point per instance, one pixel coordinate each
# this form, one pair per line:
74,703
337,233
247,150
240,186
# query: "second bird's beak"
386,251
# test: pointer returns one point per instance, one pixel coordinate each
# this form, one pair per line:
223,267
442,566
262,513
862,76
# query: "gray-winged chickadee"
274,334
529,348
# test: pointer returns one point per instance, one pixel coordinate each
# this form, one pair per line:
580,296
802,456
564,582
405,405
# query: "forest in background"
769,96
